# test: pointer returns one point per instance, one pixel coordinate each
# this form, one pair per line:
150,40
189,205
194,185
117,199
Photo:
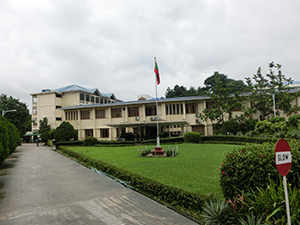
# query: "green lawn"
195,168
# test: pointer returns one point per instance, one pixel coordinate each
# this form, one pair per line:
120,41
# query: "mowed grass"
195,168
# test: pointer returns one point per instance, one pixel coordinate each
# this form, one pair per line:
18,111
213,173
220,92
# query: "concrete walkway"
39,186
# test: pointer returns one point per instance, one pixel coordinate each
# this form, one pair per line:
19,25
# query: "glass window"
87,98
133,111
92,99
115,113
151,110
34,99
104,133
100,113
191,108
97,100
81,97
85,114
34,110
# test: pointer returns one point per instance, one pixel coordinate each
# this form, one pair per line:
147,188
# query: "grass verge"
194,169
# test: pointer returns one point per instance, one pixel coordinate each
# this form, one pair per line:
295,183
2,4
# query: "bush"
90,141
294,121
9,138
192,137
65,132
248,125
263,126
251,166
231,126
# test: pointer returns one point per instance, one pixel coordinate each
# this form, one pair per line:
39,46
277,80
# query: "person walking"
37,141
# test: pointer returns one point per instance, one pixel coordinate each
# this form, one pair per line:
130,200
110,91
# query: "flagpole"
157,127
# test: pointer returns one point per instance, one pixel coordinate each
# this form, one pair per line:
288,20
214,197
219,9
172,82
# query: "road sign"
283,161
283,157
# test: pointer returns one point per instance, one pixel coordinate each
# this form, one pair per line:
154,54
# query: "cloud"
111,45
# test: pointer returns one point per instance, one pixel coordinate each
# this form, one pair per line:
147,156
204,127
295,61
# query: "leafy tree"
224,101
44,125
181,91
65,132
21,118
262,90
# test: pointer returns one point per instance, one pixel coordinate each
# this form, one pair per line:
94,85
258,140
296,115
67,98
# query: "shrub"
263,126
294,134
251,166
231,126
65,132
192,137
90,141
294,121
279,126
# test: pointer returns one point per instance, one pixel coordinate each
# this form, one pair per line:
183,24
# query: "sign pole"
283,162
286,201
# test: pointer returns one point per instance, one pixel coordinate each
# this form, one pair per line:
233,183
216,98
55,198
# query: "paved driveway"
39,186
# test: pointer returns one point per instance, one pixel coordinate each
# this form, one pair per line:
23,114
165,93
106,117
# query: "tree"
21,117
225,97
44,125
44,129
65,132
181,91
263,89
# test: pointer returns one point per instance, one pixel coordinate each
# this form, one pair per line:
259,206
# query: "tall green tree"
44,126
264,88
21,117
65,132
224,95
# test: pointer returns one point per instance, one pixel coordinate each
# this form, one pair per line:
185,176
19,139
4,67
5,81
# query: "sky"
111,44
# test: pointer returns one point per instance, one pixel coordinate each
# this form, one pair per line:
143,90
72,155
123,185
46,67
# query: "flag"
156,72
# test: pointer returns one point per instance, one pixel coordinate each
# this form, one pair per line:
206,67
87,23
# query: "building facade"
49,103
105,121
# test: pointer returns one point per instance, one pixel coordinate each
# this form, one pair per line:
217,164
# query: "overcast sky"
111,44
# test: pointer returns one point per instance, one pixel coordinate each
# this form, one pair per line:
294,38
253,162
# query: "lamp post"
5,111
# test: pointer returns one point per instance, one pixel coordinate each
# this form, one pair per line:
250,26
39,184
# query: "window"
97,100
58,95
58,118
191,108
72,115
100,113
58,107
133,111
210,106
105,100
115,113
34,110
174,109
88,132
85,114
92,99
101,101
34,121
87,98
198,129
104,133
81,97
34,99
151,110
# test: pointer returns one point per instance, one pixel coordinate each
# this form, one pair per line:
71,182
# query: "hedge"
235,139
9,138
252,165
167,194
174,140
98,143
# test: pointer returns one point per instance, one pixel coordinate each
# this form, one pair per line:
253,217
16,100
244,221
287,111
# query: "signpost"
283,162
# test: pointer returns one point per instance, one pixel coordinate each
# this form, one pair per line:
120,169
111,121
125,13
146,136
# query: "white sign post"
283,162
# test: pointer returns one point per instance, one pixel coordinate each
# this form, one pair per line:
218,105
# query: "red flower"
223,172
261,155
241,152
226,175
230,168
222,164
152,185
